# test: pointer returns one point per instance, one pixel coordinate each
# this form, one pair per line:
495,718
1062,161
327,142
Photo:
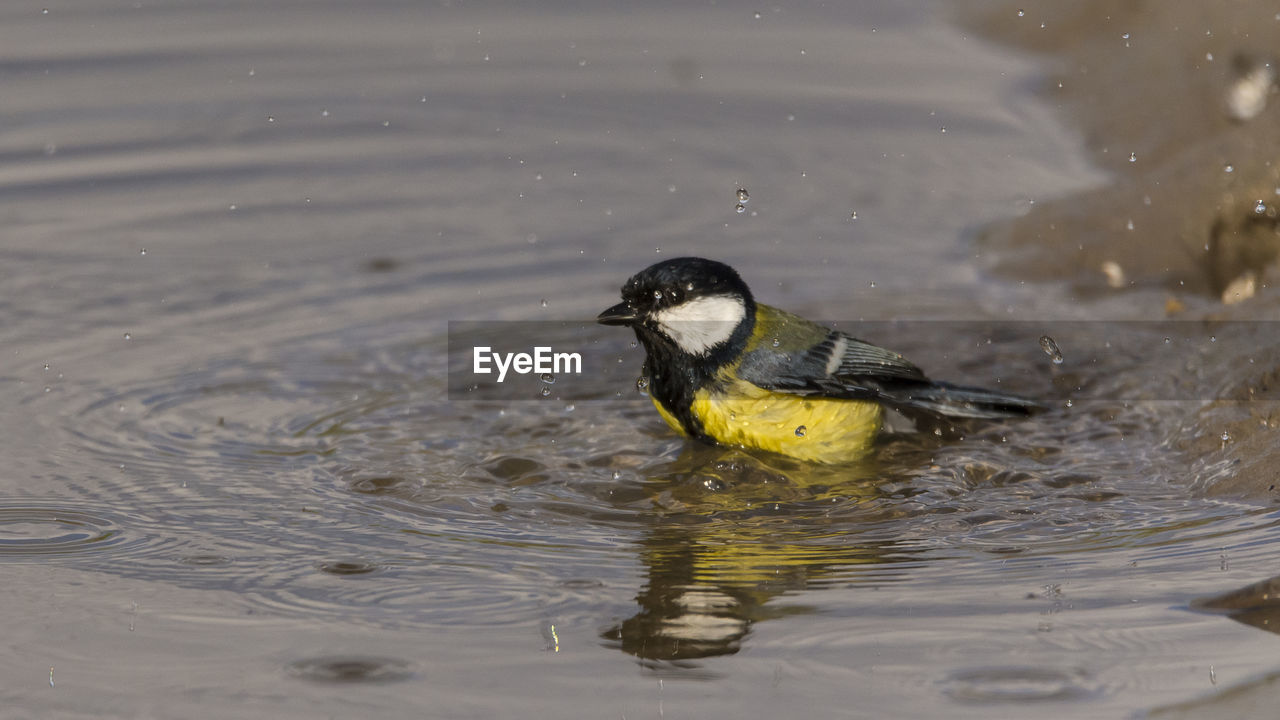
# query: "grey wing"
901,385
840,366
847,368
858,359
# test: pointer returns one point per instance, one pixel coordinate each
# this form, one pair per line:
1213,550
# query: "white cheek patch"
703,323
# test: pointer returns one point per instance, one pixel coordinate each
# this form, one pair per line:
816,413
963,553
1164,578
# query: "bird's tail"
958,401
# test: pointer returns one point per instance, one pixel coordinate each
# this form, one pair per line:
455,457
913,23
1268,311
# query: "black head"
693,304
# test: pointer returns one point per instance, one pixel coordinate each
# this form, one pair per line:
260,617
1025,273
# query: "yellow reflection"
733,531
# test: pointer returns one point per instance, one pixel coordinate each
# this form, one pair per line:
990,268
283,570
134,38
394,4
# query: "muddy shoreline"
1179,103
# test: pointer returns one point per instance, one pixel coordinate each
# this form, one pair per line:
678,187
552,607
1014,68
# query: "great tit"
727,370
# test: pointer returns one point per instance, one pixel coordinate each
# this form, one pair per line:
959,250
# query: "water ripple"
34,532
344,669
1020,684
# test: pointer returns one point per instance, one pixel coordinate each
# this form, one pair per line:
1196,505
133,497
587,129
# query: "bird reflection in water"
731,533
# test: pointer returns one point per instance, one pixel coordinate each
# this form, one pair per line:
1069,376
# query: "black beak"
620,314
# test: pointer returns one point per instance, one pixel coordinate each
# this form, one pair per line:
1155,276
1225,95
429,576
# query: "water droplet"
128,336
1129,225
642,384
743,197
1125,36
50,148
44,11
740,208
1229,168
873,284
546,392
757,16
1021,13
688,287
657,294
800,431
544,302
46,366
617,475
1226,436
48,389
1133,157
1212,338
1069,403
324,113
142,251
853,215
1260,208
1167,340
776,342
547,378
271,118
1051,349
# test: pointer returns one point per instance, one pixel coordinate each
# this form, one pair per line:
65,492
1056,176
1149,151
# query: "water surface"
235,484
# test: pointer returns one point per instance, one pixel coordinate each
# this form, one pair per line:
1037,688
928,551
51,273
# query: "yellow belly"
812,429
